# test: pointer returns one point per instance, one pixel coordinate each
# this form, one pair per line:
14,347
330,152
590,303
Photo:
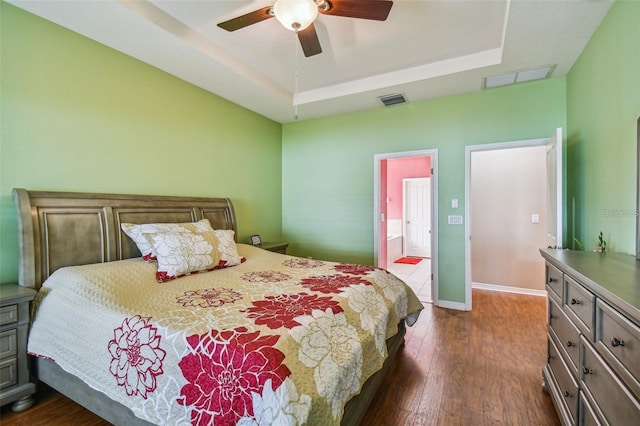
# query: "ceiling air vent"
520,76
395,99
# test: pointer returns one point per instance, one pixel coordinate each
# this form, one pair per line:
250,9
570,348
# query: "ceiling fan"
299,15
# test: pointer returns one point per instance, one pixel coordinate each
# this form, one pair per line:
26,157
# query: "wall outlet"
535,218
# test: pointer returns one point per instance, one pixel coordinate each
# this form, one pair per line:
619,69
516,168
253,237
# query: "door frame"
470,149
405,181
377,158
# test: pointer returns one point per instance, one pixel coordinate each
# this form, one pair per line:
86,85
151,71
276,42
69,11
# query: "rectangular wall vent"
395,99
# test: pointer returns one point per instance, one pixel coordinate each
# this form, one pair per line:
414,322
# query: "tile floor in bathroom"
418,277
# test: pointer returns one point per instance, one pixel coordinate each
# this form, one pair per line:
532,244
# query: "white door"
554,190
417,217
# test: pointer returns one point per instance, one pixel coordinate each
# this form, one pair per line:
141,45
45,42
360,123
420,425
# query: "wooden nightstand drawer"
8,314
8,372
8,343
275,247
15,384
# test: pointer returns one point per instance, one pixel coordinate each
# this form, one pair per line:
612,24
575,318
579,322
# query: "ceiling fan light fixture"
295,15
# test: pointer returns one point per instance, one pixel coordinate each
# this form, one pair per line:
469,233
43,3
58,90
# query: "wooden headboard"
57,229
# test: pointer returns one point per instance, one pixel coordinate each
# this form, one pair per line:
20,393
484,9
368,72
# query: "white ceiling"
425,49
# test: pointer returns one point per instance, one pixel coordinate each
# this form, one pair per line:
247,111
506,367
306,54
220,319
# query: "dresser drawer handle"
616,342
551,316
567,394
552,280
575,302
586,370
570,343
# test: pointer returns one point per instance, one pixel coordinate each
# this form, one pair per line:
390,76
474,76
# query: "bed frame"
57,229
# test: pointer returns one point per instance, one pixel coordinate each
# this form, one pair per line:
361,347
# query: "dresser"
15,384
593,361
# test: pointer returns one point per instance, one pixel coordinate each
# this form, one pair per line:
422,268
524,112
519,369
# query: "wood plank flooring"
457,368
482,367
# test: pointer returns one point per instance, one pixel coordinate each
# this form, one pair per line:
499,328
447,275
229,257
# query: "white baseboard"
451,305
507,289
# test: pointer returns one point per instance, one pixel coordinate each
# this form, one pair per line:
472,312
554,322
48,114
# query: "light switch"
535,218
455,220
454,203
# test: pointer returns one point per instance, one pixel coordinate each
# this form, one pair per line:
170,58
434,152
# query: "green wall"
328,166
79,116
603,106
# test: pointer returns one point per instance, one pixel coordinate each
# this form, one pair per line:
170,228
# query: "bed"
270,339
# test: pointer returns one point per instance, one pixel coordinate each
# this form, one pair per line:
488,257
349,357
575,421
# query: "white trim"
469,149
559,188
433,153
508,289
447,304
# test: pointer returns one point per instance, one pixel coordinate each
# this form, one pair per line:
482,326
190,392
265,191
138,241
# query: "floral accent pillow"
184,253
229,255
135,232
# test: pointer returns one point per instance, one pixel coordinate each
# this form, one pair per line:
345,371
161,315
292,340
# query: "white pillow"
229,255
135,232
184,253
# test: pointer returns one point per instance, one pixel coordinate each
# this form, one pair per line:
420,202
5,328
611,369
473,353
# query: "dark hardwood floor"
482,367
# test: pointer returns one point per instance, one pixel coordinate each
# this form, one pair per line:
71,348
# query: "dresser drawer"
568,335
554,282
618,341
586,414
8,372
8,343
8,314
580,306
615,403
567,386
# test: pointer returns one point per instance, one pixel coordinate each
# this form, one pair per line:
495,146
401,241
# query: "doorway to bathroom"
405,213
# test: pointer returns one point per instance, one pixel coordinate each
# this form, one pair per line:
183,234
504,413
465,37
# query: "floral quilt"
276,340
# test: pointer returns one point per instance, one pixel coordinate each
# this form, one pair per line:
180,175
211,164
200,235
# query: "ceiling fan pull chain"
296,77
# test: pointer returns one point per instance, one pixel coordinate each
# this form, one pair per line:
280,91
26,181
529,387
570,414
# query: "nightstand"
15,385
275,247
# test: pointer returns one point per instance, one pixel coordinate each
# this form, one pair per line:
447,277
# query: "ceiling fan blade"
377,10
309,41
246,20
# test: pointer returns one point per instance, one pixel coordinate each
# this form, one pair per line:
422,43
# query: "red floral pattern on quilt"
265,276
281,311
136,356
223,369
331,283
208,297
226,264
302,263
353,269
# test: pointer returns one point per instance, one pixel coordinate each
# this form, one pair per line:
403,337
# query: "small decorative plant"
601,245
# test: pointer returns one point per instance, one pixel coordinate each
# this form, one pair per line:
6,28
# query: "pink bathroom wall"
398,169
382,257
